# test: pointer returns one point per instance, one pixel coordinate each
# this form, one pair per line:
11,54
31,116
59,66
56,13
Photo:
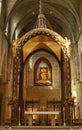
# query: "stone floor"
41,127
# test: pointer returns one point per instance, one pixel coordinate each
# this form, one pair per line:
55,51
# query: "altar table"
42,113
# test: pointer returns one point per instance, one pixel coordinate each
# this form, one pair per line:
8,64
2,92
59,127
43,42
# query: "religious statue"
43,73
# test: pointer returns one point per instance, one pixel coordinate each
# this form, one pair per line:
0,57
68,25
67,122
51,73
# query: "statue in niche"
43,73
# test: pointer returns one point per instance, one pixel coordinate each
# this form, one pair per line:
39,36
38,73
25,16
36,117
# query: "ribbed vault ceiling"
62,16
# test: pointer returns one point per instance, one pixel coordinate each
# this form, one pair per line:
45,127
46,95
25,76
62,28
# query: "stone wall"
42,92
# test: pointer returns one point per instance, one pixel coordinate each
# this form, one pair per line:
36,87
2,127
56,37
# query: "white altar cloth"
42,112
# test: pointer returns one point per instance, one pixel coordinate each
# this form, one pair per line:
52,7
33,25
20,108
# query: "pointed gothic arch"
41,31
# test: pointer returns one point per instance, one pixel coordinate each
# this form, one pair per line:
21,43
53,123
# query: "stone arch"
42,31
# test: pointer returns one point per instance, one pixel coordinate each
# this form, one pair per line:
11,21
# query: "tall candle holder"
64,116
10,117
71,114
19,124
79,113
43,117
43,108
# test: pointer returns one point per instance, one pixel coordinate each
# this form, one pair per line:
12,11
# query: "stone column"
79,100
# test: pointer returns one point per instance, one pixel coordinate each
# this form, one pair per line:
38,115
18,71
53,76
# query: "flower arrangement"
69,101
11,101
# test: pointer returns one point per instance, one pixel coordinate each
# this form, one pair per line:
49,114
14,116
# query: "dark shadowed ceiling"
62,16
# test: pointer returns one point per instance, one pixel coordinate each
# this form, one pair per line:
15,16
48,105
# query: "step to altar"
41,128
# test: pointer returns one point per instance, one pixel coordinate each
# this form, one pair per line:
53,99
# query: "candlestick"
64,116
19,124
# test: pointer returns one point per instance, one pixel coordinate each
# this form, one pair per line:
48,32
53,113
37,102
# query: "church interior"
40,64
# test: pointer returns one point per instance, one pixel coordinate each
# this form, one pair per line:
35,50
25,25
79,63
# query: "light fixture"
41,22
